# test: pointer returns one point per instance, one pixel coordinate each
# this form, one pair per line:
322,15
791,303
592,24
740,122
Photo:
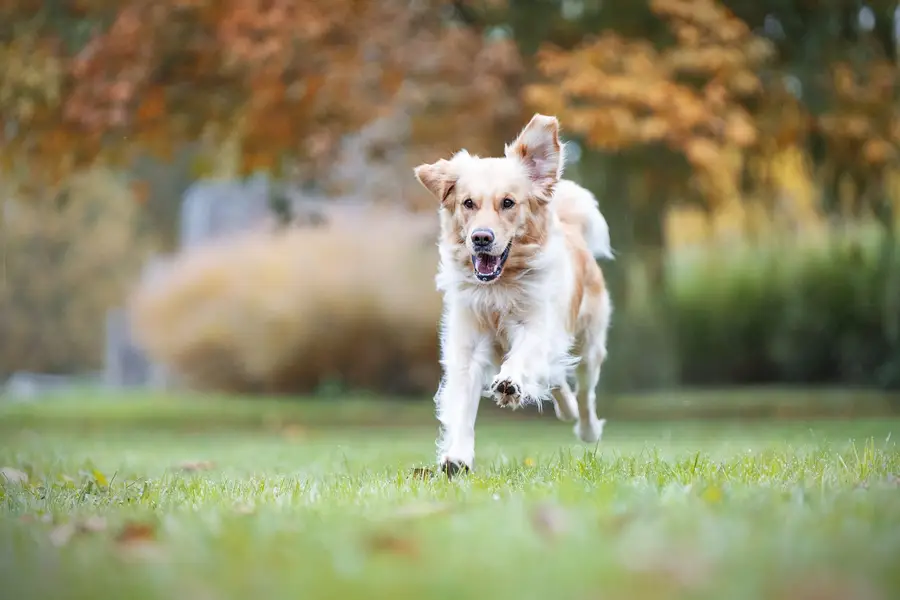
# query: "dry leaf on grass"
294,432
422,473
136,533
13,475
391,543
196,465
549,521
100,478
138,541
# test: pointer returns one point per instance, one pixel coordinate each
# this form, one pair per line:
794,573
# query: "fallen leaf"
196,465
136,533
422,473
137,541
393,544
100,478
13,475
549,521
294,432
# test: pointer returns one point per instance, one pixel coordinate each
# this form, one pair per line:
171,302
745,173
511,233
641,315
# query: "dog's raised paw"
507,393
452,468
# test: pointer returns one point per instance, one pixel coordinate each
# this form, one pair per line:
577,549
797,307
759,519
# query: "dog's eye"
508,203
468,203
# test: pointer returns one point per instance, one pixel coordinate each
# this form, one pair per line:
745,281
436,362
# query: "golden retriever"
521,286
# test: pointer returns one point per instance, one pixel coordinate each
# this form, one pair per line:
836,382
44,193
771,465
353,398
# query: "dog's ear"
438,178
539,150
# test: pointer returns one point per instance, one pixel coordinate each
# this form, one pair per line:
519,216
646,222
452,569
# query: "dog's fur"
545,311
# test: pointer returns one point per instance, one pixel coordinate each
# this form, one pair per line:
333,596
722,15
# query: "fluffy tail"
578,206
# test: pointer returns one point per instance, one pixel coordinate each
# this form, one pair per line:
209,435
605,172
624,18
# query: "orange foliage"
621,93
291,75
863,127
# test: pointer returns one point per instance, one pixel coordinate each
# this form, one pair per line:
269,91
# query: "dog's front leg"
466,356
529,367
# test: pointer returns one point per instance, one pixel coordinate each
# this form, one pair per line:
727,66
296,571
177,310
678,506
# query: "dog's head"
494,203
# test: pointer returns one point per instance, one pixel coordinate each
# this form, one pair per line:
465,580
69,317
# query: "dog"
522,288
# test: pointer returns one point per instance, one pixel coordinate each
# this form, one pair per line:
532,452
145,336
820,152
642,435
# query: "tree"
89,81
688,97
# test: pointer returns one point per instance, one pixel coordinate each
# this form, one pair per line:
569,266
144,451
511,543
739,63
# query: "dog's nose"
482,238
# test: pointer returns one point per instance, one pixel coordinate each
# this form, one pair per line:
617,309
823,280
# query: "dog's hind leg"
565,403
589,428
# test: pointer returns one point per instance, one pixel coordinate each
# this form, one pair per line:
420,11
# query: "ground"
142,508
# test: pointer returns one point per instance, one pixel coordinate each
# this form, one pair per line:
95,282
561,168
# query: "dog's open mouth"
489,267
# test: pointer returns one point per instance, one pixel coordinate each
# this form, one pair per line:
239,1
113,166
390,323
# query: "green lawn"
723,510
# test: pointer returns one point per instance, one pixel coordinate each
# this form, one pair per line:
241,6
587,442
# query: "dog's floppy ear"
539,149
438,178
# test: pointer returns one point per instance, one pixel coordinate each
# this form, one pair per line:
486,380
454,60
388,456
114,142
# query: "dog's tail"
577,206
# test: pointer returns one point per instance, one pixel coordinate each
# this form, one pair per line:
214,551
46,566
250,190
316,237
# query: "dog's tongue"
485,263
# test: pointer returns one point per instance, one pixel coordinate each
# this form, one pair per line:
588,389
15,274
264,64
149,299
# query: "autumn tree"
688,97
90,81
91,85
835,97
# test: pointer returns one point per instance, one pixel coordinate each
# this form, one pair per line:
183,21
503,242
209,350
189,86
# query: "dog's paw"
507,393
590,431
452,468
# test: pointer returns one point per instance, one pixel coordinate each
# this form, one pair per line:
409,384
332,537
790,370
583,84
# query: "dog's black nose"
482,238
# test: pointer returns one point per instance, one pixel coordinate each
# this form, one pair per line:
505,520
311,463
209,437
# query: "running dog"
526,308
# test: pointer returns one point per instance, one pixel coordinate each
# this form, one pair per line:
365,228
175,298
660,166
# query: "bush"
806,314
351,302
65,261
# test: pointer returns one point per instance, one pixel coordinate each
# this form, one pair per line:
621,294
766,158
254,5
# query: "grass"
96,410
681,509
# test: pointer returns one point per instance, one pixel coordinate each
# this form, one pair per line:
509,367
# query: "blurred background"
207,195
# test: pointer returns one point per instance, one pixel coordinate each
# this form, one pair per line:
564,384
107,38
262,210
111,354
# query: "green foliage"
791,313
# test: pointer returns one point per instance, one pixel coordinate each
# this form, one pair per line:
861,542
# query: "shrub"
65,261
352,301
807,314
